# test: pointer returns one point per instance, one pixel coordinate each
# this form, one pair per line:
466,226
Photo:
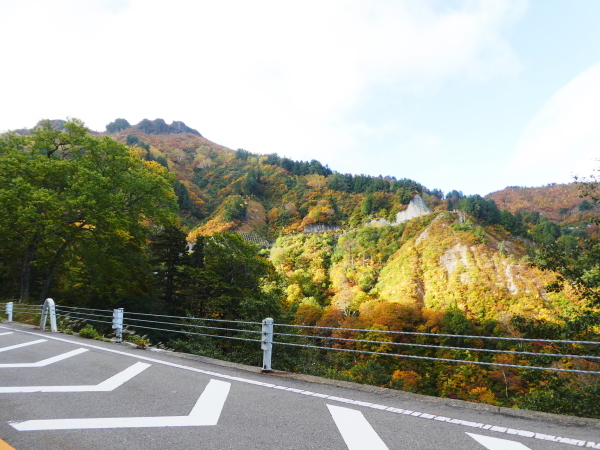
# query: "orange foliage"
407,380
393,316
332,317
557,202
307,315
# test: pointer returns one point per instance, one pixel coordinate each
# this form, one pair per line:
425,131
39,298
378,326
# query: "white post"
49,308
267,343
117,324
9,311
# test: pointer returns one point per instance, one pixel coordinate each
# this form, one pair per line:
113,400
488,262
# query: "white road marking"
206,412
12,347
4,334
492,443
465,423
106,386
358,434
45,362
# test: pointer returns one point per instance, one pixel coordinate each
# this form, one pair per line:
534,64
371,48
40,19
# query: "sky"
470,95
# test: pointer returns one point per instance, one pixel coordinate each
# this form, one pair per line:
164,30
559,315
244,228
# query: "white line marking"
492,443
106,386
206,412
4,334
358,434
45,362
493,428
12,347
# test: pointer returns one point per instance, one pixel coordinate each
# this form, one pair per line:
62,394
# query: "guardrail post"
49,308
117,324
9,311
267,343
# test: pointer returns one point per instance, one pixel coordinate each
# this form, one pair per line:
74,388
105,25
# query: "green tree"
337,182
480,208
366,208
132,139
250,184
585,205
545,232
227,279
169,256
183,196
62,189
234,208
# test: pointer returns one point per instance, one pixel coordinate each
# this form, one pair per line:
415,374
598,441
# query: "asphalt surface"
160,400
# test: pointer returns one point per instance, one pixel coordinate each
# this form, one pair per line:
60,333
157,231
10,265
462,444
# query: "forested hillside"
215,185
561,203
155,217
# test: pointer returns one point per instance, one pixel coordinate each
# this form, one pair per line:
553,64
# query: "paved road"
64,392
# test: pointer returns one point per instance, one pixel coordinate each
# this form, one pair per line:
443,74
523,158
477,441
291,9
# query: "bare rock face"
320,228
416,208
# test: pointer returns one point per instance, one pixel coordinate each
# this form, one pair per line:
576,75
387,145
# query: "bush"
89,332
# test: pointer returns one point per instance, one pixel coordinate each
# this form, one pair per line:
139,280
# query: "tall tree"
227,279
169,255
62,189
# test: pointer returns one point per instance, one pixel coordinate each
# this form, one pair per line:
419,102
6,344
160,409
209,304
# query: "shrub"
90,332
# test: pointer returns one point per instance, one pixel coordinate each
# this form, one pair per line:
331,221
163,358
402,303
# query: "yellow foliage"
293,293
316,181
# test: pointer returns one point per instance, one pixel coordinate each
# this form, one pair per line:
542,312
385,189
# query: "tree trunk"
26,271
51,270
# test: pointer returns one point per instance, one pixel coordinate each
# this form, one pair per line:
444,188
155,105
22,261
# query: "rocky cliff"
416,208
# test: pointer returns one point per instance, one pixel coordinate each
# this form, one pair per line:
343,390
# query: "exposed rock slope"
483,272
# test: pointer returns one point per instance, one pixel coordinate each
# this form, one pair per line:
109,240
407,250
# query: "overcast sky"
470,95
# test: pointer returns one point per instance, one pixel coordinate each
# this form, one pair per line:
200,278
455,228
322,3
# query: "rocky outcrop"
380,223
159,126
320,228
416,208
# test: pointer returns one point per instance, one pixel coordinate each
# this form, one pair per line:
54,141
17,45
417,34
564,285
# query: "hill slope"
434,262
561,203
293,194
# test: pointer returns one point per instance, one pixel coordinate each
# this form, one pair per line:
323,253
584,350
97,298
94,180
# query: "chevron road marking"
44,362
106,386
492,443
12,347
206,412
400,411
358,434
4,334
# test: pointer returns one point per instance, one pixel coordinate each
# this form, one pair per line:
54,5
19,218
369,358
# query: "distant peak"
157,126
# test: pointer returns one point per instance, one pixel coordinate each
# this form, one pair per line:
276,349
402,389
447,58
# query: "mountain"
218,186
560,203
431,258
333,250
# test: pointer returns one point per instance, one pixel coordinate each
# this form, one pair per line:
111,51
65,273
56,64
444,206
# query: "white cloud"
269,76
563,139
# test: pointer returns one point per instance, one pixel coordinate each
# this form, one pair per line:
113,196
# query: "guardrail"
330,339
